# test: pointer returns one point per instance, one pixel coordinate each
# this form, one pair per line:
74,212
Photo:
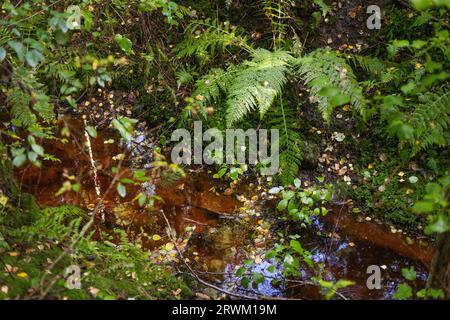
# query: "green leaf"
296,246
141,200
91,131
32,156
343,283
121,190
240,272
245,282
339,100
38,149
329,91
18,48
234,173
427,4
2,53
124,43
34,57
400,43
422,293
258,278
409,87
282,204
405,132
409,273
423,206
287,195
440,224
125,127
418,44
220,173
436,293
403,291
76,187
19,160
126,181
249,262
271,254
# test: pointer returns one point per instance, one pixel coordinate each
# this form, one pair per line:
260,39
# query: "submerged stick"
94,167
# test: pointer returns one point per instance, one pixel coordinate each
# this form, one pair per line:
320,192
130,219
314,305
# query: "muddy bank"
381,236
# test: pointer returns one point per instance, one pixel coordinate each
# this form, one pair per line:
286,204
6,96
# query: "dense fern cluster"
324,69
431,121
278,16
206,38
257,83
254,85
27,100
377,71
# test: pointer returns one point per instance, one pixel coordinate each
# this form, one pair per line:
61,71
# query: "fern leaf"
19,102
431,121
323,68
209,37
5,35
285,119
27,100
211,86
278,16
257,83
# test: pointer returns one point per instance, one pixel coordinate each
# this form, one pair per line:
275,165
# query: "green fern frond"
62,72
370,65
277,15
18,102
323,68
213,85
431,121
184,76
257,83
285,119
206,38
27,100
208,91
43,107
5,35
376,69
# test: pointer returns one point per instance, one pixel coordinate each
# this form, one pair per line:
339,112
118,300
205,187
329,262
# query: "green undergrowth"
32,239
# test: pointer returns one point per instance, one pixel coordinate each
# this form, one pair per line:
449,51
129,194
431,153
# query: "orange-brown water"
345,246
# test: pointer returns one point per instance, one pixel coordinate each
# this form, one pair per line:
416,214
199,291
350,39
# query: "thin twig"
203,282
